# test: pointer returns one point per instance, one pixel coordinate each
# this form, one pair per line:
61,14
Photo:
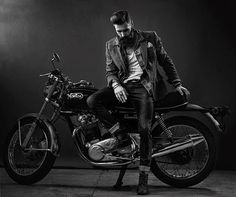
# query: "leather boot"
143,183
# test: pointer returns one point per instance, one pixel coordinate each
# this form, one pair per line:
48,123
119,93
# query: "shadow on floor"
132,188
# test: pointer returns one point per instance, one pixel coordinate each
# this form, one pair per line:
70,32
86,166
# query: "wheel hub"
183,156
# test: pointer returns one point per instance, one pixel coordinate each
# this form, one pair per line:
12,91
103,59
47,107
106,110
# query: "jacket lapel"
143,48
116,55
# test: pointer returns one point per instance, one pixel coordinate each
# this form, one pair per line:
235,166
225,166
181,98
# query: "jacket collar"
117,54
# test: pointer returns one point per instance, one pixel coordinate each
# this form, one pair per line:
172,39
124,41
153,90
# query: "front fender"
55,140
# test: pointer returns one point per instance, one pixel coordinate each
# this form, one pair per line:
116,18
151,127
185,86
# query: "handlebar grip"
46,74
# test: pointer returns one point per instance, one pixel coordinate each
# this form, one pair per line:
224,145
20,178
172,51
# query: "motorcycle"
184,135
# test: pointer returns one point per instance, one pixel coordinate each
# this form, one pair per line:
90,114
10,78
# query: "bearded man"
132,61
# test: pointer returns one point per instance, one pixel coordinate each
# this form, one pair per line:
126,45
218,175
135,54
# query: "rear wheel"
189,166
27,166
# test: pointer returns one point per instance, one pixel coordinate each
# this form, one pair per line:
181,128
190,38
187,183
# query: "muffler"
193,140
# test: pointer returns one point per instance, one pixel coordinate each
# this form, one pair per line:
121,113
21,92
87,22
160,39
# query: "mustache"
131,34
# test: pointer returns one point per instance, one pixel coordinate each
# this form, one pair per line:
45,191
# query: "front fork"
34,124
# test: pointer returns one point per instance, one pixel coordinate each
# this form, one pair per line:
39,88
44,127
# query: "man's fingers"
186,92
183,91
123,99
119,97
120,94
124,95
180,91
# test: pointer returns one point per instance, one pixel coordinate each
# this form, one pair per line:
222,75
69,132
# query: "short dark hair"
120,17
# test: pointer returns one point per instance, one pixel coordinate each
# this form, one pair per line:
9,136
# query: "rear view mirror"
56,57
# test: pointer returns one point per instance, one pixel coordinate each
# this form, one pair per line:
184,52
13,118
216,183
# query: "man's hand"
183,91
121,93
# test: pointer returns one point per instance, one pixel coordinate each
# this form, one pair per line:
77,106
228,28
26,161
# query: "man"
132,61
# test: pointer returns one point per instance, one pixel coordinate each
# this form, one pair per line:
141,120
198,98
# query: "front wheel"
27,166
189,166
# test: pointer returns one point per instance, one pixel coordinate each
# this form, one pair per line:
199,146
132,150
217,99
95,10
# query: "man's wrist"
115,84
177,84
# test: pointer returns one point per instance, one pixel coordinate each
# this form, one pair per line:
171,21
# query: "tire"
28,166
189,166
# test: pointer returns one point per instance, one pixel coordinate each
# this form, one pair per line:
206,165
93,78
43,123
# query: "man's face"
123,30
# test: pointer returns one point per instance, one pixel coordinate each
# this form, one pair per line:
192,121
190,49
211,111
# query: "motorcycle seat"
172,101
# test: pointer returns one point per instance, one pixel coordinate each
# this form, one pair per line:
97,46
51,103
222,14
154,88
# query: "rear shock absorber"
160,121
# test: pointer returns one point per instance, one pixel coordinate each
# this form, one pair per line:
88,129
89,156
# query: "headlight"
55,93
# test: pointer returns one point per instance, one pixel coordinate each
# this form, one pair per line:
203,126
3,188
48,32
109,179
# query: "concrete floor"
91,183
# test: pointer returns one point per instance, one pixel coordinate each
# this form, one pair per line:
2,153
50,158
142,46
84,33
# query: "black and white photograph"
117,98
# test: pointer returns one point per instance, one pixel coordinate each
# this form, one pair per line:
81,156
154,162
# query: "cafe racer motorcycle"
184,135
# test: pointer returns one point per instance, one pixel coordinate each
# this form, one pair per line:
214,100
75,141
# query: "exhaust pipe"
192,141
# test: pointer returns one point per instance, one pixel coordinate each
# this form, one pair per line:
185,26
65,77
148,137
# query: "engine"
106,150
98,151
87,127
89,130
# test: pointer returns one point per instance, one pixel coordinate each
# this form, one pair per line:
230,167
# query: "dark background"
197,34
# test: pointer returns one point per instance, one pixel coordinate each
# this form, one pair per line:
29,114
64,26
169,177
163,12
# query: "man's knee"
92,101
103,97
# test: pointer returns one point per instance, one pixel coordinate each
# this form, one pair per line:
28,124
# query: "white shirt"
135,71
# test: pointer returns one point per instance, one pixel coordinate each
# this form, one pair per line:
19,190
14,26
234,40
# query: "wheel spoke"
26,162
185,163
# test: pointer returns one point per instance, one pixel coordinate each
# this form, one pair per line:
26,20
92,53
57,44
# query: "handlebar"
57,74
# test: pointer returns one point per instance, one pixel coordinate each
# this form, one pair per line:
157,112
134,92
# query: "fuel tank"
77,95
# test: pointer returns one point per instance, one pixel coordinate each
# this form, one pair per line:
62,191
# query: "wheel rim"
25,163
189,162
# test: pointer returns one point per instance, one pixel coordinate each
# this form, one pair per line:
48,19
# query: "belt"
134,81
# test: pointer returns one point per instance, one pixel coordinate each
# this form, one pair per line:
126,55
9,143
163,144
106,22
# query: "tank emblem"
76,95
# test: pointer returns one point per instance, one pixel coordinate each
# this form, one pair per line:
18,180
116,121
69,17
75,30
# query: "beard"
128,41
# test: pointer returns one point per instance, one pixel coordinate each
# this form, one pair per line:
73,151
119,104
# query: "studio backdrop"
198,35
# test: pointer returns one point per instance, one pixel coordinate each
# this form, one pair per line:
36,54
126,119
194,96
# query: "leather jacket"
150,55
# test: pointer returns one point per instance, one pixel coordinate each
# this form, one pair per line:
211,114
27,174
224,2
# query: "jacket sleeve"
111,68
166,62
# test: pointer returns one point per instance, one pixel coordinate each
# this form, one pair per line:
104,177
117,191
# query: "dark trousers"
103,99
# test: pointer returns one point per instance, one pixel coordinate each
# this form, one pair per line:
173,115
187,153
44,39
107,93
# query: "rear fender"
202,115
196,112
55,141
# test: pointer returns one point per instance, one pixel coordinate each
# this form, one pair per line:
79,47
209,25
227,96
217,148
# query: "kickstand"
121,175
